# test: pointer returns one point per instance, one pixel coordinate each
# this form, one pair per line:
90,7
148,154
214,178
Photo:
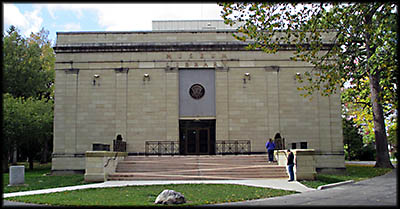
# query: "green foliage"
27,123
39,178
28,64
28,69
195,194
352,140
310,27
368,152
13,123
392,138
355,147
362,113
352,46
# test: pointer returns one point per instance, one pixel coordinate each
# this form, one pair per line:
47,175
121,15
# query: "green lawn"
195,194
353,172
39,179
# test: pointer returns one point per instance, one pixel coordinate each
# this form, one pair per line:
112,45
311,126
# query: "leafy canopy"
28,64
328,35
352,46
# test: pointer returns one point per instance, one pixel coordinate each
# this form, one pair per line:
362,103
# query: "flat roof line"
158,31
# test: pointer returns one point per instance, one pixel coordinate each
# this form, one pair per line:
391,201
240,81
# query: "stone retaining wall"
305,166
101,163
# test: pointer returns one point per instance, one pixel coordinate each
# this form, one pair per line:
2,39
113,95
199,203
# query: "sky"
29,17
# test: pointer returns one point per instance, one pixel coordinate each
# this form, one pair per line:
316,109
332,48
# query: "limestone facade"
101,90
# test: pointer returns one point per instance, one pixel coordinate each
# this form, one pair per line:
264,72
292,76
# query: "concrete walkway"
381,190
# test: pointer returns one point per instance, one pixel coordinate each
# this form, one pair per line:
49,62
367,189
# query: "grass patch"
38,178
195,194
353,172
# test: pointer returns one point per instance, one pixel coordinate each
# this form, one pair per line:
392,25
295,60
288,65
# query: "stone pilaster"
70,110
222,105
172,104
272,79
121,93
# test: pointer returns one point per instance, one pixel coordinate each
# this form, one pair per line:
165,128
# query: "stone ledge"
105,154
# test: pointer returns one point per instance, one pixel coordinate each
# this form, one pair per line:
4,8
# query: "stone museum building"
184,88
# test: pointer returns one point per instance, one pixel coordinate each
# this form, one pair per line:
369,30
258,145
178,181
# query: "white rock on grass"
170,197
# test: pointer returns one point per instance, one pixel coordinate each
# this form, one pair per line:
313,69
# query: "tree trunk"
5,162
382,152
14,155
44,153
30,159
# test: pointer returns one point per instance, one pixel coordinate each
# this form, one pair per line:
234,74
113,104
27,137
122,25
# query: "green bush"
367,153
353,141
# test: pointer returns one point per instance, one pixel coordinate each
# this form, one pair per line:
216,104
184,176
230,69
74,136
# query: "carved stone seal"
196,91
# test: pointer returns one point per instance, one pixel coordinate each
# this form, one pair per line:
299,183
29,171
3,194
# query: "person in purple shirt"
270,145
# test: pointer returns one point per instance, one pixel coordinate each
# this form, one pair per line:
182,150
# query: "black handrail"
221,147
161,147
233,147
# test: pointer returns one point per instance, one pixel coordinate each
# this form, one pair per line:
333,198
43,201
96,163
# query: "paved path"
381,190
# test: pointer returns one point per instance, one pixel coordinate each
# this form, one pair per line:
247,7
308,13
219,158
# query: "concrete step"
136,178
205,168
197,167
141,176
197,157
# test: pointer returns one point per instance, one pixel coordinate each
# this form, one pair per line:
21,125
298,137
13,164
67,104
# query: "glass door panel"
191,141
203,141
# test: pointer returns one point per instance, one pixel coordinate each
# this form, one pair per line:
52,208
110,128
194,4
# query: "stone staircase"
197,167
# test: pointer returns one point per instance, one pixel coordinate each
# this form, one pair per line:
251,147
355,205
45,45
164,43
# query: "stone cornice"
149,47
158,47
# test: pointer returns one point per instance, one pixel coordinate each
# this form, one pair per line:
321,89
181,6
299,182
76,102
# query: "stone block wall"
122,102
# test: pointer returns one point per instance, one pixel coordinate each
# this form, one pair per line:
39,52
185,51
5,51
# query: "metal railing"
233,147
221,146
161,148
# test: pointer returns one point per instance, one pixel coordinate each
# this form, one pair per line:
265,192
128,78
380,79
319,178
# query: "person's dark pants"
291,173
271,155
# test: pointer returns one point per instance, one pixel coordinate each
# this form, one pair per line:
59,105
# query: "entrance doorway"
197,137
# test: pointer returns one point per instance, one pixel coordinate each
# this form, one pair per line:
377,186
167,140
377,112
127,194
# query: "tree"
13,126
28,123
392,139
352,139
28,64
38,127
363,116
47,60
28,69
362,55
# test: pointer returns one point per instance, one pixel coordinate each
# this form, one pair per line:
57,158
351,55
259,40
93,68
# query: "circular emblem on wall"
196,91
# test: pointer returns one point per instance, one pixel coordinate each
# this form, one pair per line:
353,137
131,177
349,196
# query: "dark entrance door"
197,137
198,141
